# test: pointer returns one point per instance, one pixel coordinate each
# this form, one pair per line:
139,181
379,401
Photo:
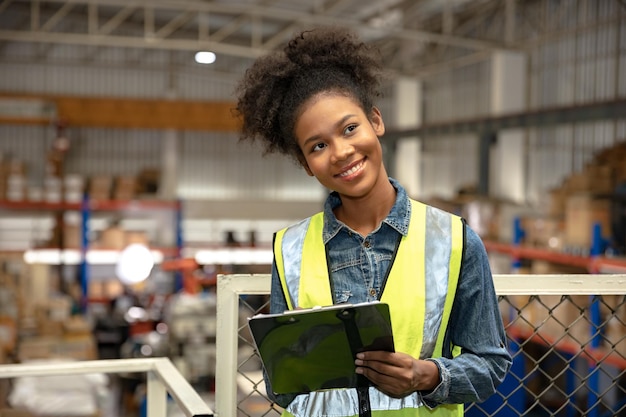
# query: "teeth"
351,170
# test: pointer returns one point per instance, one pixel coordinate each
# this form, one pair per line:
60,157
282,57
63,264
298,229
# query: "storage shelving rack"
594,263
86,208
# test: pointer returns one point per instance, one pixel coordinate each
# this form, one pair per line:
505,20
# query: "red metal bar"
525,252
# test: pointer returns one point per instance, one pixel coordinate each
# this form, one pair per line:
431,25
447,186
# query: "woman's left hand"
397,374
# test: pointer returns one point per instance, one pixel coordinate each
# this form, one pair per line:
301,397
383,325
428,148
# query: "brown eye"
318,147
350,129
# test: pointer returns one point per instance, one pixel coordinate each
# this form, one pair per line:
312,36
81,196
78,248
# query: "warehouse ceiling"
415,37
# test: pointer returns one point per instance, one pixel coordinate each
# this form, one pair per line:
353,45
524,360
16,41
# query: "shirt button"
366,243
372,292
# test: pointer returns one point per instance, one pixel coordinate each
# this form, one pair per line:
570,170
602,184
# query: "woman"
314,102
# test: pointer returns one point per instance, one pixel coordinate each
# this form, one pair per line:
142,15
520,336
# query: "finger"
378,367
385,383
376,355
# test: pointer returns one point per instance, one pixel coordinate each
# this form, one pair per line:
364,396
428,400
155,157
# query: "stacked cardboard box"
3,178
9,309
73,188
148,181
116,237
100,187
582,212
125,187
9,412
13,180
59,333
107,289
584,198
544,232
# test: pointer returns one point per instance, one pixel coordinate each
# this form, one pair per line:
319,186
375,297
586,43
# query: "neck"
364,214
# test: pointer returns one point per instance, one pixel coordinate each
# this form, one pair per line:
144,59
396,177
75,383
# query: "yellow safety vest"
420,291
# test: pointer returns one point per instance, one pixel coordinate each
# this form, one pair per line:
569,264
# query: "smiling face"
340,145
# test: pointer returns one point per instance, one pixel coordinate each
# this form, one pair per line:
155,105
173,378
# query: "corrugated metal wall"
213,165
218,166
585,67
584,64
451,162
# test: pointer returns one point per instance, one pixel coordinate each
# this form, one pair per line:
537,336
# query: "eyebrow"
339,123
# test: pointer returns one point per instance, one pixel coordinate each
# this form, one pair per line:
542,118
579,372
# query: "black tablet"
313,349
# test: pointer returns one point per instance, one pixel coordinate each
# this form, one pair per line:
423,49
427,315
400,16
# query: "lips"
351,170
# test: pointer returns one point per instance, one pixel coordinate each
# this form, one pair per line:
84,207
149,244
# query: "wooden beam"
132,113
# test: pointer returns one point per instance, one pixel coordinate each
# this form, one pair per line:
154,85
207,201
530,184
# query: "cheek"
315,165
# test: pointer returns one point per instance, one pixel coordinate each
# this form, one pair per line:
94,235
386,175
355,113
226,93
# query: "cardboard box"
136,236
16,187
100,187
582,212
602,178
113,288
482,216
113,237
72,236
125,188
556,202
544,232
9,412
35,348
76,326
48,347
8,334
148,181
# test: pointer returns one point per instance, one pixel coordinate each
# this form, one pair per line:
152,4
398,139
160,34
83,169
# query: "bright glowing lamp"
205,57
134,264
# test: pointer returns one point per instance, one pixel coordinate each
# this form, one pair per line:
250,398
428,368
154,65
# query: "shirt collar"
398,218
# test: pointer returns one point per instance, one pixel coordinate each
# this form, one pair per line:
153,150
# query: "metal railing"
162,378
566,361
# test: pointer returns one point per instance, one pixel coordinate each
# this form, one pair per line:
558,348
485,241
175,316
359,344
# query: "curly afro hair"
270,95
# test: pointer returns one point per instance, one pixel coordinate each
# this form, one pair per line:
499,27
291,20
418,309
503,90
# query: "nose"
342,150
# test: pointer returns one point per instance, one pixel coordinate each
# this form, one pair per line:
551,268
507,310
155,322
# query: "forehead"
334,100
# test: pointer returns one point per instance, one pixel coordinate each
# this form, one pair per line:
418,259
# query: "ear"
304,165
376,119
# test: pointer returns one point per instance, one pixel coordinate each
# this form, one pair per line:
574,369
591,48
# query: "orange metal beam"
131,113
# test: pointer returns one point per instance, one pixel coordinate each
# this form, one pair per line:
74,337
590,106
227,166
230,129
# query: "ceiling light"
204,57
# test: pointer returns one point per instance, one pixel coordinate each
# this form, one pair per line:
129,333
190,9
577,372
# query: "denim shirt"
358,266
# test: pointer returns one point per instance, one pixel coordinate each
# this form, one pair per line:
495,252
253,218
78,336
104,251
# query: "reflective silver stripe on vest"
438,240
293,241
328,403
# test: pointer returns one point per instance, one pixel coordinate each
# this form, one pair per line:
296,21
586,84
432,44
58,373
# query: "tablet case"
312,349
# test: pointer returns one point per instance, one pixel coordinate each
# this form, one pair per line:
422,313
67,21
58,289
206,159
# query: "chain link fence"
568,348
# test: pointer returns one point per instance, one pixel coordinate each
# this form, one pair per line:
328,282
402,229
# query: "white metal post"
227,316
229,287
156,396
